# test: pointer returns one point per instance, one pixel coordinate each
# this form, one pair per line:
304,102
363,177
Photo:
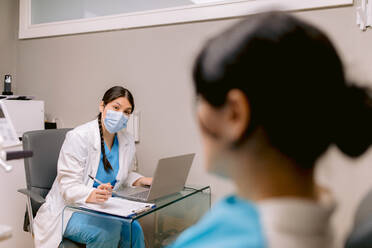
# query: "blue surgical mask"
115,121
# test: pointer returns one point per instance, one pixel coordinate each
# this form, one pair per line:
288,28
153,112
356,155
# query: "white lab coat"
79,157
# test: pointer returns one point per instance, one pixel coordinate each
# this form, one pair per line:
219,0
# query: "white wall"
72,72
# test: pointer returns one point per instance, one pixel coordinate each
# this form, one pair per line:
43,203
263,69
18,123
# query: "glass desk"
161,225
5,232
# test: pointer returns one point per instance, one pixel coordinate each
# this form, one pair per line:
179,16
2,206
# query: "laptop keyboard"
141,195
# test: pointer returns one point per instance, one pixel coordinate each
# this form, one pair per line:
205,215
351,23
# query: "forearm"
132,178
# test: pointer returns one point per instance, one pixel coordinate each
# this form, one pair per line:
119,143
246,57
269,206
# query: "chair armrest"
34,196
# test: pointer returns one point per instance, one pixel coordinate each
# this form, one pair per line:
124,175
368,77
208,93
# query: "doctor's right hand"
101,194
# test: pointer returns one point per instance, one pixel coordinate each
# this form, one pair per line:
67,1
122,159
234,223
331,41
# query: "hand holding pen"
101,194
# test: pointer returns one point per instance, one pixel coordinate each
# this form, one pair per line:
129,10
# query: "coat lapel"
96,152
123,146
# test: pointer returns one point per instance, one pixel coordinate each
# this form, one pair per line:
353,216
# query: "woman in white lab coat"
103,149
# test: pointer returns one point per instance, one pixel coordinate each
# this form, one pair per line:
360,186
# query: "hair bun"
353,127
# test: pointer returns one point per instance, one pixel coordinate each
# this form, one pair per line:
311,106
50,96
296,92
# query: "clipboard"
120,207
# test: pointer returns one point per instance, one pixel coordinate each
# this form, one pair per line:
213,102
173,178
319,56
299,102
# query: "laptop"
169,178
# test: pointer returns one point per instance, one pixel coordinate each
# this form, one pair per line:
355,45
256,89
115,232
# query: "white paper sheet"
120,207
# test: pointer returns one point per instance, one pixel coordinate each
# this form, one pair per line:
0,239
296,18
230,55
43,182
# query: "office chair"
361,234
41,170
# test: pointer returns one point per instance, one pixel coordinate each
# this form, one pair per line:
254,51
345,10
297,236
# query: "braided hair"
110,95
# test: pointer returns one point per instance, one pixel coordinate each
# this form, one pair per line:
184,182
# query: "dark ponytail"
353,134
294,81
110,95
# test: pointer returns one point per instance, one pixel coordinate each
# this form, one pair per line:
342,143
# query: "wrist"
88,199
137,182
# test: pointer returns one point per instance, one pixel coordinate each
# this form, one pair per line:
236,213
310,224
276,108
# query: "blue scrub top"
233,222
113,157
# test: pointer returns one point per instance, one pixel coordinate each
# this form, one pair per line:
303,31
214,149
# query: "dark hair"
110,95
294,81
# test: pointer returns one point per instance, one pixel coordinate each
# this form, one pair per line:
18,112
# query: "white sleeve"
132,176
71,167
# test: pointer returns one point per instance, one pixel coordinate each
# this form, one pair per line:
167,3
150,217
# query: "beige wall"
72,72
8,38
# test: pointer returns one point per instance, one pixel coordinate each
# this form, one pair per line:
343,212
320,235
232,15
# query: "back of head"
294,81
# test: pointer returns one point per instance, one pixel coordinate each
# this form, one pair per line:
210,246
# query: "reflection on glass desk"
162,224
5,232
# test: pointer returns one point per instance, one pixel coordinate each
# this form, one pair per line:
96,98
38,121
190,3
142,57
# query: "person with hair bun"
271,98
102,149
